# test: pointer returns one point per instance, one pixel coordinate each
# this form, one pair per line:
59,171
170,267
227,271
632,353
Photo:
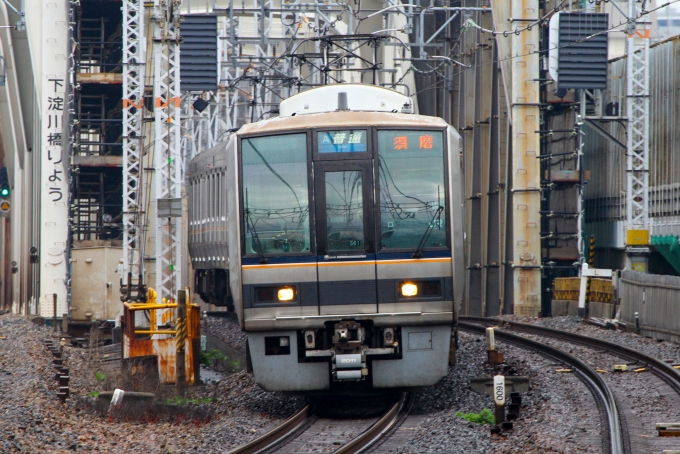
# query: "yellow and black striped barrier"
568,288
181,334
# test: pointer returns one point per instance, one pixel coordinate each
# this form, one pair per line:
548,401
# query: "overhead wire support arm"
450,60
21,25
421,31
623,13
604,133
442,28
397,7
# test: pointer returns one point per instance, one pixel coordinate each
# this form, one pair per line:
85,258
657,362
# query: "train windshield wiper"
256,238
430,226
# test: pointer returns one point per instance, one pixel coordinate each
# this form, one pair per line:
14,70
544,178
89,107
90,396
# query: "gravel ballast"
558,414
227,330
36,421
667,351
643,399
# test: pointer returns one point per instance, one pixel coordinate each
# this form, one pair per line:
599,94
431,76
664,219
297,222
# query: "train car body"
335,232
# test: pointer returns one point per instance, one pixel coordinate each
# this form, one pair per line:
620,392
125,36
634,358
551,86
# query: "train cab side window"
412,189
275,197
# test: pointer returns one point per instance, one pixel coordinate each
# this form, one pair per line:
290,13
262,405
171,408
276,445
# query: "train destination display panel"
345,141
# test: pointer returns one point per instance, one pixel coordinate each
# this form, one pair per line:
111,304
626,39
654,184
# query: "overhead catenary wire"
528,27
355,11
309,78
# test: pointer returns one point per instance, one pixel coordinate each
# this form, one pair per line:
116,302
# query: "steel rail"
275,435
374,433
658,367
587,374
364,441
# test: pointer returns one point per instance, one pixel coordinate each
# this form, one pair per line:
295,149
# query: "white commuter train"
335,232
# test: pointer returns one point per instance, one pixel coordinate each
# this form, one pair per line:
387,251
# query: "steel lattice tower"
637,111
167,147
134,64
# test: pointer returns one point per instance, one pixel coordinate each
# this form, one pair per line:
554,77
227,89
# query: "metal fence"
656,299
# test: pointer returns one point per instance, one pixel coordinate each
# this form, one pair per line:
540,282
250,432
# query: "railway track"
659,368
603,395
301,425
632,394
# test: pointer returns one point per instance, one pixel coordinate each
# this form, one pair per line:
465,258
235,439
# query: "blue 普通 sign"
346,141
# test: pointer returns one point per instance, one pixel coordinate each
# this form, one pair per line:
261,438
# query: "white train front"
335,232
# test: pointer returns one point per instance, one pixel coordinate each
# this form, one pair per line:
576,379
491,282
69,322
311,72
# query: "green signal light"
4,192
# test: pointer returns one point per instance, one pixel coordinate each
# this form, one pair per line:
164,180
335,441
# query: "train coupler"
349,366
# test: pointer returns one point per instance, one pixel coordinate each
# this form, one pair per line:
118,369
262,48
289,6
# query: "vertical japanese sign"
53,137
53,163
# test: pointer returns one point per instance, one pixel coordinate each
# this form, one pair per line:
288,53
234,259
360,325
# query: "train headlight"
286,294
408,289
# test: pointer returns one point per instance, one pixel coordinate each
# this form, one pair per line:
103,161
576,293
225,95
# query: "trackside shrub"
483,417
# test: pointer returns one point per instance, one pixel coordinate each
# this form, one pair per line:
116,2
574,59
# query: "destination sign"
424,143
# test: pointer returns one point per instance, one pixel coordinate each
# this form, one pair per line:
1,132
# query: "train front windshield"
408,170
411,181
275,194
